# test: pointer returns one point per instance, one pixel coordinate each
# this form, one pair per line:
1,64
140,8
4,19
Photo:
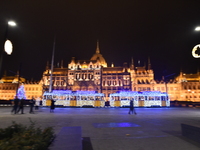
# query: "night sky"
161,30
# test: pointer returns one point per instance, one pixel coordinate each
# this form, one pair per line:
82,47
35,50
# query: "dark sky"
161,30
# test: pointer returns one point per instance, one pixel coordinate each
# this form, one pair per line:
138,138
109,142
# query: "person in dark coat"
131,110
52,107
31,103
15,105
21,106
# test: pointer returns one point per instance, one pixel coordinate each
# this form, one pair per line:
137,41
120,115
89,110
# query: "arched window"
147,82
138,81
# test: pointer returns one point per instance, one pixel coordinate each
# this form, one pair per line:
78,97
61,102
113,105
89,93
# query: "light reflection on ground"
114,125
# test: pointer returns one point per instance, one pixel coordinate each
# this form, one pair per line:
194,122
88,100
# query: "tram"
94,99
74,98
140,99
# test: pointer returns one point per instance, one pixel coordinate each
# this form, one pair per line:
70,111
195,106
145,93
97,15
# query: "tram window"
157,97
151,98
141,98
84,98
145,97
97,98
91,98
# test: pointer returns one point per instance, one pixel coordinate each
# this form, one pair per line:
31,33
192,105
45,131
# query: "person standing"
37,103
52,107
131,110
21,106
31,103
15,105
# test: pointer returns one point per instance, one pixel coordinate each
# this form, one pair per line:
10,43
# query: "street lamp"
12,23
197,28
7,45
196,49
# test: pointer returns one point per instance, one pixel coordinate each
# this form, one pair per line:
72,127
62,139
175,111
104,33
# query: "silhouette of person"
15,105
131,110
21,106
31,103
52,107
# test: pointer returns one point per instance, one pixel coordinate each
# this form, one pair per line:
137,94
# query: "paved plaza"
114,128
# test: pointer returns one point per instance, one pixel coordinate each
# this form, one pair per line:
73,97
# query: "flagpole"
52,62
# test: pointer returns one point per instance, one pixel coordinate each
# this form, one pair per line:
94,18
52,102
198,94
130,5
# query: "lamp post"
7,45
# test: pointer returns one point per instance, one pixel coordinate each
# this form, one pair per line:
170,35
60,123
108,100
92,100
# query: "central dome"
98,57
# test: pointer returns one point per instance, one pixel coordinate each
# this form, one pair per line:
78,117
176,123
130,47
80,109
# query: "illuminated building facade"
95,75
10,84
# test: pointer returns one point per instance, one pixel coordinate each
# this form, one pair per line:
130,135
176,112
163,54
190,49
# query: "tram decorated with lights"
94,99
74,98
140,99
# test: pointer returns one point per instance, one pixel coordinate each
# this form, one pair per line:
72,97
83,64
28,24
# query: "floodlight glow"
12,23
194,54
8,47
197,28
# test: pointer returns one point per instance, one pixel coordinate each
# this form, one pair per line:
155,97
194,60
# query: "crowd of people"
18,105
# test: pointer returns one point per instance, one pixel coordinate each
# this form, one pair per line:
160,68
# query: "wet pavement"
114,128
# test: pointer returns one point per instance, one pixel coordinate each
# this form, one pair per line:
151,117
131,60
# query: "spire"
5,73
73,59
47,65
97,49
149,64
61,64
132,64
139,63
112,65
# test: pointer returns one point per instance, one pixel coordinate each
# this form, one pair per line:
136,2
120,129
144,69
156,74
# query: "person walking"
21,106
32,103
15,105
37,103
131,110
52,107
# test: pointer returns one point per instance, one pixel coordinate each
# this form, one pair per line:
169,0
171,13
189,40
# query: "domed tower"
98,57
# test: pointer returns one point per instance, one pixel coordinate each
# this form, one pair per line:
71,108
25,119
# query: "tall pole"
2,51
52,62
18,77
9,23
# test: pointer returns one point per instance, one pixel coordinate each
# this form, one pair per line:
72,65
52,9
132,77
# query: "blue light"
114,125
